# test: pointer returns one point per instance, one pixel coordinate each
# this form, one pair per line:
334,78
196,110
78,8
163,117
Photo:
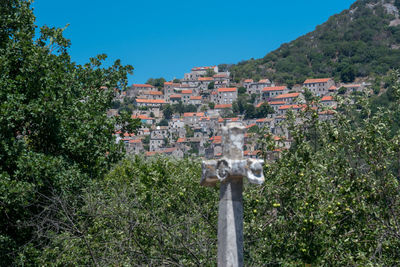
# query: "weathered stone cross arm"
232,165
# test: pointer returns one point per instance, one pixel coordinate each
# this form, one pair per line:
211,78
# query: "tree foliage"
55,135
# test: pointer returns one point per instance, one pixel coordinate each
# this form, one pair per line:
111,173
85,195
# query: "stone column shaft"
230,224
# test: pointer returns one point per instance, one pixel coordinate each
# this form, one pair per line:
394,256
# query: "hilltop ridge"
361,41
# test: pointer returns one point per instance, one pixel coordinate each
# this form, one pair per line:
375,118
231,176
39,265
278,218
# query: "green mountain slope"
361,41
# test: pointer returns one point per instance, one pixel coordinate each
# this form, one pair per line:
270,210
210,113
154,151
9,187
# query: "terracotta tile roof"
214,93
275,88
259,104
327,98
232,119
195,98
261,120
153,93
220,76
216,139
248,80
332,88
187,91
181,140
205,79
203,68
150,153
172,84
193,114
264,81
223,106
251,153
351,85
251,125
291,107
175,96
291,95
327,112
323,80
136,141
205,118
142,117
151,101
231,89
276,103
143,85
129,134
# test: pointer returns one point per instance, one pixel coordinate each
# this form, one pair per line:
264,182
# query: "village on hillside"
185,117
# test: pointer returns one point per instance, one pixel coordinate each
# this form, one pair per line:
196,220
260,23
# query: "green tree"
241,90
168,111
55,135
211,85
209,73
157,82
163,122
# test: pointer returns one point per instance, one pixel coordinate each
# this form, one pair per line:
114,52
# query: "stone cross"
230,170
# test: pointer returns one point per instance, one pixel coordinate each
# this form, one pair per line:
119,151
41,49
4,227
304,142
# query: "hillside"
361,41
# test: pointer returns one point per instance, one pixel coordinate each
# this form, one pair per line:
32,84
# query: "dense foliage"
332,199
355,43
54,133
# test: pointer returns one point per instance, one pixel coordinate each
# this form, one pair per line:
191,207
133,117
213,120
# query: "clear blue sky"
167,38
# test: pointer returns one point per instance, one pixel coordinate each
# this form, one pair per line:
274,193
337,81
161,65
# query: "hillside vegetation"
361,41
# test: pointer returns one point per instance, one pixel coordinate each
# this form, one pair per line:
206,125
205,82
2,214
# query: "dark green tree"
55,135
168,111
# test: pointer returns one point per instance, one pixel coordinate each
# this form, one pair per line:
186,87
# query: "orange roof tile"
187,91
264,81
261,120
351,85
223,106
173,84
151,101
276,103
259,104
216,137
136,141
152,93
291,95
327,98
248,80
143,85
175,96
220,76
332,88
205,118
231,89
193,114
274,88
291,107
251,125
213,93
195,98
142,117
206,79
327,112
323,80
203,68
181,140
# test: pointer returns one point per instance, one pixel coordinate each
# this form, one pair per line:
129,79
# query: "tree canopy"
55,135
